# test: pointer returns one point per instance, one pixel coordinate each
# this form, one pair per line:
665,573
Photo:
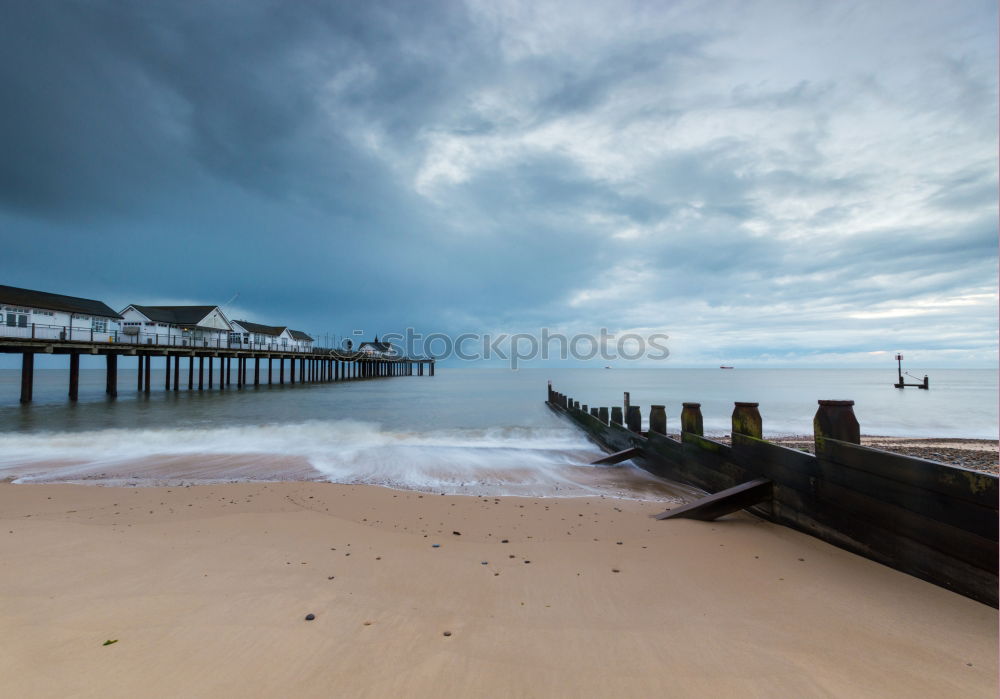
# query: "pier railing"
138,337
934,521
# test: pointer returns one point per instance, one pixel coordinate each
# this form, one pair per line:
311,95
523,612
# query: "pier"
208,367
934,521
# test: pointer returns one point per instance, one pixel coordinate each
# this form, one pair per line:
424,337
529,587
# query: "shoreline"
205,588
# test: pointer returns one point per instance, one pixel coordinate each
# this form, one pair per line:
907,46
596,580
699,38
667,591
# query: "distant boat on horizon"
725,367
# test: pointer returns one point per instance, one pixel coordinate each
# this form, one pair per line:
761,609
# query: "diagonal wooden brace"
722,503
617,457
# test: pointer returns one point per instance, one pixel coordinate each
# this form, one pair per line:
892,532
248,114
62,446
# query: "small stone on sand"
447,633
310,617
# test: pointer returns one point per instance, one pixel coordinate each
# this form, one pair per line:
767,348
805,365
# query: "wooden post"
74,375
585,408
210,370
627,404
239,372
634,418
835,420
593,411
111,374
616,415
256,371
229,370
191,372
432,367
746,420
166,367
602,415
291,370
177,372
691,420
201,373
27,376
138,374
658,419
146,371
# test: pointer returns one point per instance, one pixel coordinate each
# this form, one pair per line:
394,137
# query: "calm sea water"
462,431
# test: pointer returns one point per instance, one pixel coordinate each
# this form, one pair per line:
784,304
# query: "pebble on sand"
447,633
310,617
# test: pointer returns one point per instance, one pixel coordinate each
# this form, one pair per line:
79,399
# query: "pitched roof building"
43,300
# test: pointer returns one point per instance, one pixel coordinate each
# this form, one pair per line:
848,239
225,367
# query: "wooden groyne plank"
722,503
931,520
617,457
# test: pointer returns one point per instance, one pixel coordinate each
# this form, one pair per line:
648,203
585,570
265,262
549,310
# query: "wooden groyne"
934,521
210,367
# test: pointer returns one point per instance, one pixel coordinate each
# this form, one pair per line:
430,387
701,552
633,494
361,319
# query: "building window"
101,325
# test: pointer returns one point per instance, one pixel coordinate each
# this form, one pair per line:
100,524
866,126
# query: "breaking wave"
494,461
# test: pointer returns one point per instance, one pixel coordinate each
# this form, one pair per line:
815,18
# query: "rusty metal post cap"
835,403
740,404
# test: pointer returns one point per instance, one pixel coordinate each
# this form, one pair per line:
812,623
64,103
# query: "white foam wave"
513,460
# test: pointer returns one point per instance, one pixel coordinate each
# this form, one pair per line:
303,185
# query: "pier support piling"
27,376
147,370
74,375
111,374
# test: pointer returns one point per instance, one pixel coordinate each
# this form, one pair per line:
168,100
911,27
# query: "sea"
476,431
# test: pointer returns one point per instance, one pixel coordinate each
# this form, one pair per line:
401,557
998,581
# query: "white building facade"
179,326
42,315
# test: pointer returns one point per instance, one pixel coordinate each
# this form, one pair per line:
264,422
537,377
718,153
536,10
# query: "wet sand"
206,589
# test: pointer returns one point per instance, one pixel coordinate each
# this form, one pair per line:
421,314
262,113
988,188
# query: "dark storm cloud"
738,176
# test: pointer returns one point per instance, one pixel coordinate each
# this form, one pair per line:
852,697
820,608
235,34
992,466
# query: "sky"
802,183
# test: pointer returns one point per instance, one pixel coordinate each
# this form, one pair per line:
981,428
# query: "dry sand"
206,589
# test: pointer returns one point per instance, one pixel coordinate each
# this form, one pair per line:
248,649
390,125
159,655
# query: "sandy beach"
205,590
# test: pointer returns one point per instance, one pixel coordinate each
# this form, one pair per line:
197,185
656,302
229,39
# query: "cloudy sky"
769,183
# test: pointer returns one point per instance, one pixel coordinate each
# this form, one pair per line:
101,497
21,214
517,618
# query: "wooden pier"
934,521
204,364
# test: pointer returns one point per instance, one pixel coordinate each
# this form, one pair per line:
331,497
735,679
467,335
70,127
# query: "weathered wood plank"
722,503
953,481
617,457
845,529
803,471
